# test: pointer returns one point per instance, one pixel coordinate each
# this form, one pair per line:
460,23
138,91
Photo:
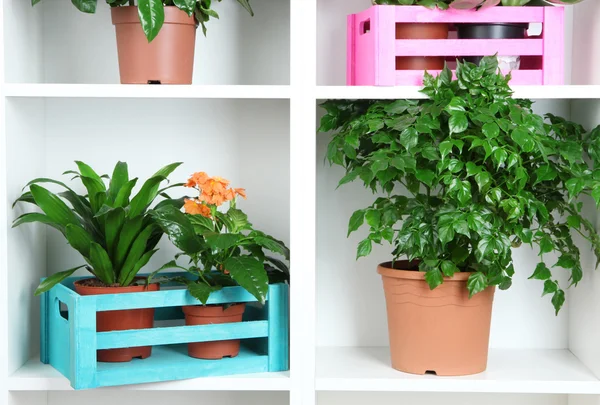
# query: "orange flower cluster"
213,191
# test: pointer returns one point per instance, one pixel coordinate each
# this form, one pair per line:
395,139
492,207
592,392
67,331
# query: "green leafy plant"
484,174
152,12
222,247
115,235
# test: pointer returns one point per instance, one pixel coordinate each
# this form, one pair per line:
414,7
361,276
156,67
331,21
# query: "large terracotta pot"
214,314
121,320
168,59
421,31
441,331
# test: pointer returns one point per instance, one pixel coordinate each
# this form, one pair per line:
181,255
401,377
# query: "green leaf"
409,138
425,176
87,171
79,239
186,5
101,263
364,248
112,228
145,196
558,299
456,104
476,283
223,241
54,279
250,274
356,221
523,139
550,287
86,6
446,233
349,177
131,228
152,17
178,227
449,268
575,186
119,178
122,197
53,206
566,261
546,244
542,272
434,278
574,221
545,173
201,291
373,218
458,123
246,5
491,130
37,217
138,249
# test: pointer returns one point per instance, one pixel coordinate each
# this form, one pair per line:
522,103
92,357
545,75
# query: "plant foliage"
484,174
152,12
115,234
222,247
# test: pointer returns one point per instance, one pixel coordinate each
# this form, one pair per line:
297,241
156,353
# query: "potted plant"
467,175
145,57
115,235
223,250
419,31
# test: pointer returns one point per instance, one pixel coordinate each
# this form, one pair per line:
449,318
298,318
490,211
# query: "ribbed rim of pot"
386,270
129,15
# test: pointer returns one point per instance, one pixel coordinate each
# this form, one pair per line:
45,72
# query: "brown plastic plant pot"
440,330
213,314
107,321
168,59
421,31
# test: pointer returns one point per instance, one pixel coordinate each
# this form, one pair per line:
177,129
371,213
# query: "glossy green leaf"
138,249
201,291
86,6
101,264
131,229
356,221
36,217
122,197
476,283
434,278
54,279
178,228
250,274
364,248
542,272
119,178
152,17
53,206
113,226
79,239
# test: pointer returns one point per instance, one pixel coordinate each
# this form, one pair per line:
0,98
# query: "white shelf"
412,92
36,376
145,91
509,371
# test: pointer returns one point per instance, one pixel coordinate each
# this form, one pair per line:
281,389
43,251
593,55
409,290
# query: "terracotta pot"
168,59
121,320
214,314
420,31
441,331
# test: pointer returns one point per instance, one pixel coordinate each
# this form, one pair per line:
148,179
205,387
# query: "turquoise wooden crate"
69,339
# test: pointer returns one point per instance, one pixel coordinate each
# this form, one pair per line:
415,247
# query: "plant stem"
132,2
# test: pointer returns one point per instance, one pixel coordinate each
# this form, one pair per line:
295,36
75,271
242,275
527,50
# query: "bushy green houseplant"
152,12
484,173
115,235
222,247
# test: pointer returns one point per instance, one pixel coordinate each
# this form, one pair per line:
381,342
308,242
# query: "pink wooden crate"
372,47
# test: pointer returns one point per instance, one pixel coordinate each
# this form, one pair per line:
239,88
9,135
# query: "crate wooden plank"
519,77
469,47
418,14
553,65
182,334
278,309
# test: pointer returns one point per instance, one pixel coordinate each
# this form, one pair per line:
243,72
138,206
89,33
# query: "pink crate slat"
519,77
553,61
372,47
468,47
421,14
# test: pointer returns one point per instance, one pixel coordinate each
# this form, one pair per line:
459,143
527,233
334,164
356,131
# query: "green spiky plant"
115,235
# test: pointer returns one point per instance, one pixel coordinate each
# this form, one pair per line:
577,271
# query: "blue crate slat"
278,310
169,363
182,334
70,345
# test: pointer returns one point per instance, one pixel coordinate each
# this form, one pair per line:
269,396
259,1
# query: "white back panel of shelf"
586,43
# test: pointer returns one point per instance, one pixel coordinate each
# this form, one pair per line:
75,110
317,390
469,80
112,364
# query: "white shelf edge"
412,92
519,371
35,376
145,91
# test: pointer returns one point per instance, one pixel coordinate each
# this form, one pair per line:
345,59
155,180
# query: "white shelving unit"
250,116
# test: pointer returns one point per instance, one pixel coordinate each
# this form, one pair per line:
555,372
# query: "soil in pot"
214,314
440,331
168,59
119,320
420,31
494,31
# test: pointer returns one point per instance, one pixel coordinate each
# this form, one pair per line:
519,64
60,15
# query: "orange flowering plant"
222,246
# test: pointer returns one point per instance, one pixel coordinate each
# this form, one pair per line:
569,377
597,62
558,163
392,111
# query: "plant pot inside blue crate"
69,339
